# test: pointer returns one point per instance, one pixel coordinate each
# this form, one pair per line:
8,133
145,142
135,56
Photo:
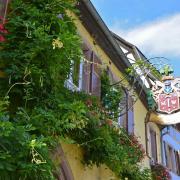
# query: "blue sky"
152,25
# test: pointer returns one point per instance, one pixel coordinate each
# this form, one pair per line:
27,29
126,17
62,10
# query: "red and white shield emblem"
168,102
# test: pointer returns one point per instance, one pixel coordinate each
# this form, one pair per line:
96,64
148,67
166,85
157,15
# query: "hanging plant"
3,30
160,172
37,47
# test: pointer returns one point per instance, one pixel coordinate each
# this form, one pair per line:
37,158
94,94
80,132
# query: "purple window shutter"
3,9
96,76
130,121
130,115
86,70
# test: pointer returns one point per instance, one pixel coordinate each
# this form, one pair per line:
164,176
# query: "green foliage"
74,115
22,155
136,173
35,108
145,68
40,45
166,70
150,100
160,172
104,142
110,96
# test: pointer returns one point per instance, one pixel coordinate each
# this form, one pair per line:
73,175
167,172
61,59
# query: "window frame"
63,171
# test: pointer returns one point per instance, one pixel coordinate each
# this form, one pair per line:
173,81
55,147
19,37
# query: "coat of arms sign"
166,93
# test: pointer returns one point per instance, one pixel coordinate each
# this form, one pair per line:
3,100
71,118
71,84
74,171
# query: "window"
153,146
74,81
91,81
85,75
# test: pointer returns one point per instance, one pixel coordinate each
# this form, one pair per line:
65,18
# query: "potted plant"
160,172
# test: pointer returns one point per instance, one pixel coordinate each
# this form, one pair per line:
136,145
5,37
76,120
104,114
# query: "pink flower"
109,122
2,30
2,39
158,178
89,102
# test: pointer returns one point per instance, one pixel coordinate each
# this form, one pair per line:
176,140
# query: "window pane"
75,73
130,122
177,162
123,119
130,115
153,146
170,157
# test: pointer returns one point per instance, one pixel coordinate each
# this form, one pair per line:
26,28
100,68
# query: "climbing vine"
40,45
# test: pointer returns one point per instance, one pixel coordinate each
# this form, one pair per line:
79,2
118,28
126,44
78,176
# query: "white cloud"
157,38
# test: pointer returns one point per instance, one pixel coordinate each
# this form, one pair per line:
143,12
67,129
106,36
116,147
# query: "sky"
152,25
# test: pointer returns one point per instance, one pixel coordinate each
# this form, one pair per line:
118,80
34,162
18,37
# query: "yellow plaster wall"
140,113
74,156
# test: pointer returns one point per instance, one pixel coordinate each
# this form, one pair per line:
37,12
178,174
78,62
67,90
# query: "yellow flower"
56,43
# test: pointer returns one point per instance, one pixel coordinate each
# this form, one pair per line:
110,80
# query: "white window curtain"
69,82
